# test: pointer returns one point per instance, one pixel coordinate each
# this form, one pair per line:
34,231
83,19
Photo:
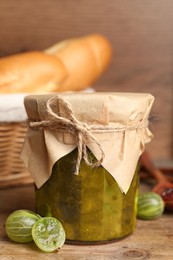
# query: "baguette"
31,72
85,59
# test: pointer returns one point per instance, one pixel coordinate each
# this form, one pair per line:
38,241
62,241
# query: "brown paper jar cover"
122,118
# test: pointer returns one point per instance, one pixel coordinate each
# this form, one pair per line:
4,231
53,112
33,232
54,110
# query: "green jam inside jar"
91,206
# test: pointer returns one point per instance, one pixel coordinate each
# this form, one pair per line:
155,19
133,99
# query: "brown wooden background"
141,33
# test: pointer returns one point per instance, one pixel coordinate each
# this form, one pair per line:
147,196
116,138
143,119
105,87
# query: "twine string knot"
82,131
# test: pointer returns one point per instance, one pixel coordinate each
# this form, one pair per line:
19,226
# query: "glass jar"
91,206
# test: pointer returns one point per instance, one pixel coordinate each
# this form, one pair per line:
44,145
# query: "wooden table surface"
151,240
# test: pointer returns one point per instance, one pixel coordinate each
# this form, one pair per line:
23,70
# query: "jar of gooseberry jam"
91,206
82,150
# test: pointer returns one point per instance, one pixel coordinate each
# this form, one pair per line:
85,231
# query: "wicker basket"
12,169
13,129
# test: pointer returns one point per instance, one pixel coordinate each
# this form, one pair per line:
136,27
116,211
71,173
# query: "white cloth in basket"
12,108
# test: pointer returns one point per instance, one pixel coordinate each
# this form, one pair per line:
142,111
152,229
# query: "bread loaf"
31,72
69,65
85,59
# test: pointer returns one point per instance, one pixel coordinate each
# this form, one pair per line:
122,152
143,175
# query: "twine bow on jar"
70,124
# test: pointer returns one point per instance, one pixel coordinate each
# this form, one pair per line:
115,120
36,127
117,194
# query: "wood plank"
151,240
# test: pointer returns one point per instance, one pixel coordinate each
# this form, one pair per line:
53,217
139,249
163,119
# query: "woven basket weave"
12,169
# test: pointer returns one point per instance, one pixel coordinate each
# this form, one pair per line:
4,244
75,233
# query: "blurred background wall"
141,33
